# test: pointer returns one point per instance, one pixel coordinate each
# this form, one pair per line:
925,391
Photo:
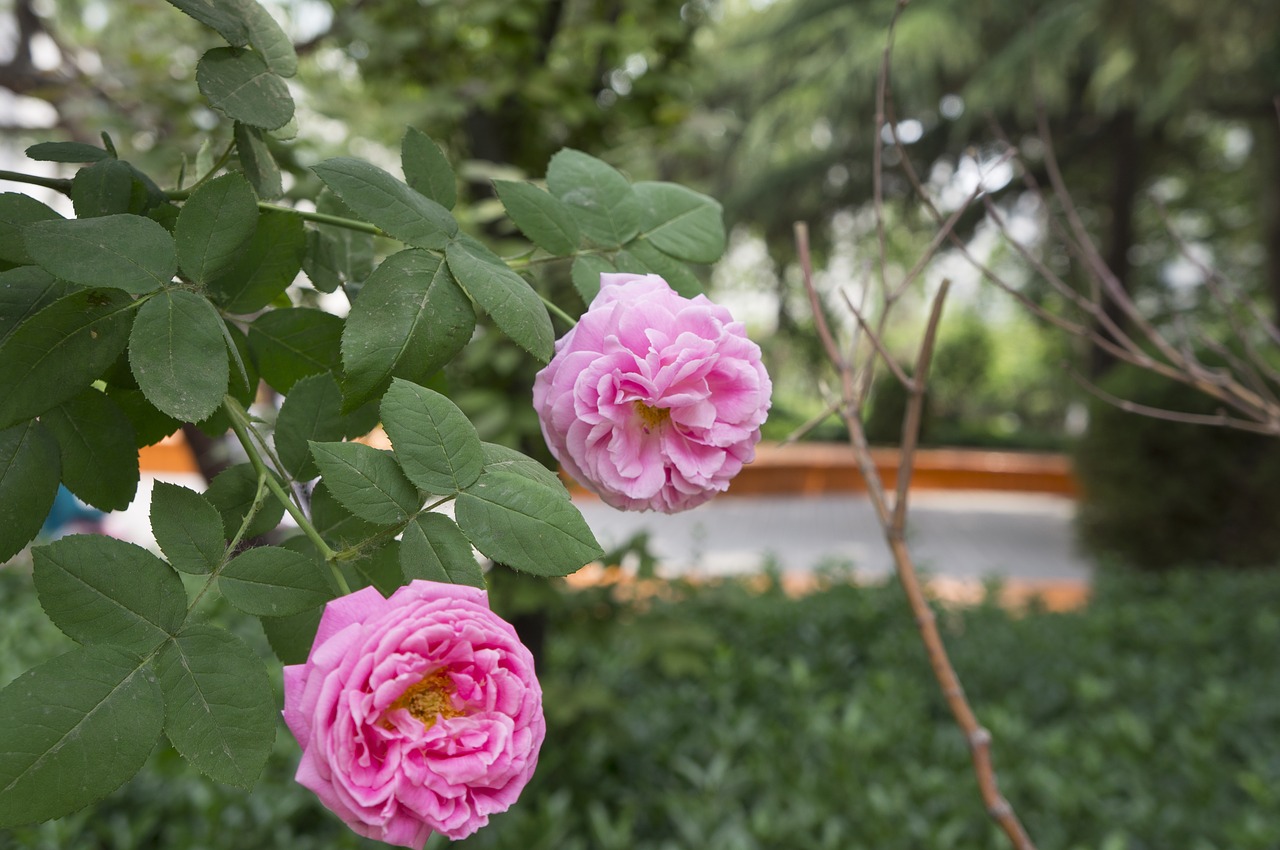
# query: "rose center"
429,699
652,417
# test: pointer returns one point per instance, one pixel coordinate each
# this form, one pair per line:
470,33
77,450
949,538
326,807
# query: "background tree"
1177,99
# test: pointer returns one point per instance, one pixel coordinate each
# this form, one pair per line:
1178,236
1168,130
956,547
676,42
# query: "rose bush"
415,713
653,400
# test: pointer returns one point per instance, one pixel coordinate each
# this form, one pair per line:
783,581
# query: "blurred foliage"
512,81
797,144
1160,494
995,382
1172,103
731,716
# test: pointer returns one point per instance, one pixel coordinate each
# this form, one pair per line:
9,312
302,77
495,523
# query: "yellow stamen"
429,699
651,416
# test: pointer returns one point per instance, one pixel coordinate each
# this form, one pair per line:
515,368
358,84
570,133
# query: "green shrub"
1159,494
725,718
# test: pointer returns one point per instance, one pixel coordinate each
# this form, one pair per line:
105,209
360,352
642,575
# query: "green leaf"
104,188
320,261
273,582
187,527
544,218
66,152
99,449
219,711
16,212
29,472
433,440
25,291
243,386
149,425
351,250
265,265
516,309
586,272
641,257
179,356
502,459
239,84
259,165
681,222
337,525
602,202
525,524
75,728
294,342
126,252
101,590
313,411
147,196
266,37
60,350
379,568
291,637
232,492
367,482
213,226
410,319
426,170
435,549
227,18
382,200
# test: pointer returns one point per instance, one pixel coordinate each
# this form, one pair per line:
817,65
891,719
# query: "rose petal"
653,401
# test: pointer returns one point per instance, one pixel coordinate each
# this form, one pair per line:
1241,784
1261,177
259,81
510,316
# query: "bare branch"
1221,420
915,410
878,344
803,431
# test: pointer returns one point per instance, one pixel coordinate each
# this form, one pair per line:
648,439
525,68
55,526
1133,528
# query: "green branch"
259,499
324,218
555,310
350,553
241,425
58,184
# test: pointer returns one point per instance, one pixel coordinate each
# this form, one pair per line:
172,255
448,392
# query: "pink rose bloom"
654,401
416,713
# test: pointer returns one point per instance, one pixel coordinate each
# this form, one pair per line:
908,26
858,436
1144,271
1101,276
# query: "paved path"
963,535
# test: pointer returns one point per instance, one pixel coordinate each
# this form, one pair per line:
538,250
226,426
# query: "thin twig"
877,149
1218,284
893,525
915,408
1220,420
803,431
1088,253
874,338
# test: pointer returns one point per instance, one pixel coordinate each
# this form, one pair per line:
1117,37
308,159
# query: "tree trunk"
1269,191
1125,181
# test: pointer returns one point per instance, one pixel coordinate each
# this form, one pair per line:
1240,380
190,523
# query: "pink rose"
654,401
416,713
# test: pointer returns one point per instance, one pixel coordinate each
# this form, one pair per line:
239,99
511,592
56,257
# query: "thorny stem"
241,425
893,525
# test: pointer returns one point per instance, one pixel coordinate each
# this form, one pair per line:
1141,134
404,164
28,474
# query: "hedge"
732,717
